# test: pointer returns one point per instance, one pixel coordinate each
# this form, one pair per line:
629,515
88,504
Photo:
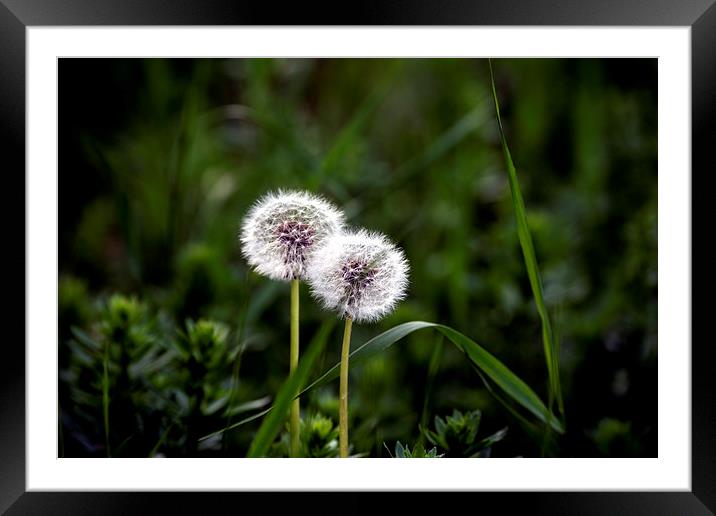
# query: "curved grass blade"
528,251
272,424
503,377
367,350
236,425
372,347
490,366
248,406
532,429
480,358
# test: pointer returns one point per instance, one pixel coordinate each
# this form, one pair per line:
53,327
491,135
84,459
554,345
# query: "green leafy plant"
100,369
206,361
319,439
156,389
418,452
457,435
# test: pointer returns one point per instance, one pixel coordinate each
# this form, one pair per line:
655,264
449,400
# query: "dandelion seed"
361,275
282,230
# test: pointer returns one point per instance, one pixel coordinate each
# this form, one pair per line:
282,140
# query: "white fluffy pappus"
282,230
360,275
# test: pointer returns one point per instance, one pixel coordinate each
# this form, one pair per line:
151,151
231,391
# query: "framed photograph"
254,246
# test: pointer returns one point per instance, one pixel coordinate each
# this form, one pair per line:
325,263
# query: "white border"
670,471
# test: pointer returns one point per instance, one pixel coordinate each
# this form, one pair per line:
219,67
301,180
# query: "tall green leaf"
528,251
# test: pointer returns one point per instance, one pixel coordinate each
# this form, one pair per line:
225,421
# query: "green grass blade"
248,406
532,429
161,441
528,251
237,424
272,424
502,376
480,358
371,348
513,386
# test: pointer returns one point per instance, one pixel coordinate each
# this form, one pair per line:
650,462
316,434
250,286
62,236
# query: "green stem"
296,405
343,414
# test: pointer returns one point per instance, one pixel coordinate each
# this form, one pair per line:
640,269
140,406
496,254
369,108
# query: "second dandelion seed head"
361,275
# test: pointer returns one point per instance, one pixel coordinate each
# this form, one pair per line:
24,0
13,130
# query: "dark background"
159,159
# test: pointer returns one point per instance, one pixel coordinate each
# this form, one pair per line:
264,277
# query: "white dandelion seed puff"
282,229
361,275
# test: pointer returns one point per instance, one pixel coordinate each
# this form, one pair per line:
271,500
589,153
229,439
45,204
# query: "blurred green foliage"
160,159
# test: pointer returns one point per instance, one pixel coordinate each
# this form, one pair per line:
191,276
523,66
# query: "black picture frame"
17,15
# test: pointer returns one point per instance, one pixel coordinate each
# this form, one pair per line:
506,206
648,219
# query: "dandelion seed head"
282,230
360,275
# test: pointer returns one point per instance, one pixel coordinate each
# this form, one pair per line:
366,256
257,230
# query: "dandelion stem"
296,405
343,413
